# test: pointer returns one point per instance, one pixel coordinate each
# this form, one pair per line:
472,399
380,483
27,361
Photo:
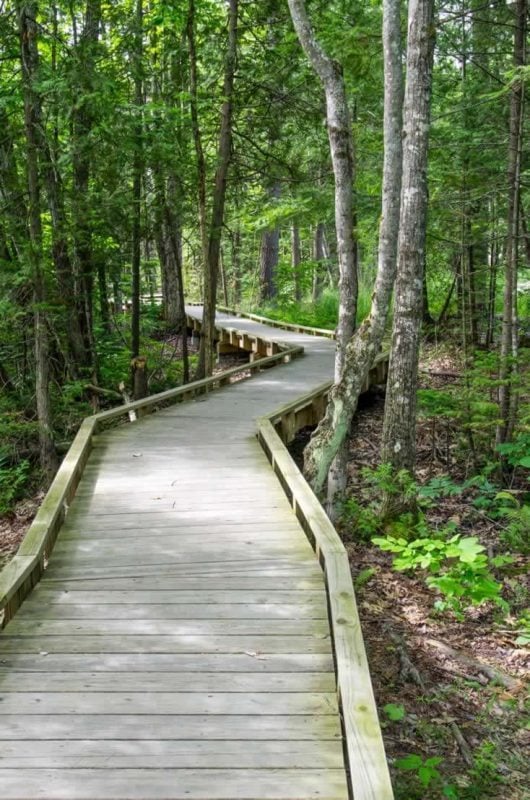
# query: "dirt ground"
459,688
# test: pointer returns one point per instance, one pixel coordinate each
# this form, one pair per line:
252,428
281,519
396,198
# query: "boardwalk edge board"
23,572
370,779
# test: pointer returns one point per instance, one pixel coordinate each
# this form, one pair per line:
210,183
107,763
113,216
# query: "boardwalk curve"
178,645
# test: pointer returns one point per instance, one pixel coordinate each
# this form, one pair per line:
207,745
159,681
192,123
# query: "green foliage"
484,776
395,713
457,567
439,487
323,313
517,533
523,626
425,769
364,576
517,452
13,481
454,565
472,403
17,433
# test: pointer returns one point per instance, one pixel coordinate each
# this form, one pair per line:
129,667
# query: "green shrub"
13,481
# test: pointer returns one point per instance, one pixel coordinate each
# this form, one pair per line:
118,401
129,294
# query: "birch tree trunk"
207,350
509,339
365,344
340,142
399,426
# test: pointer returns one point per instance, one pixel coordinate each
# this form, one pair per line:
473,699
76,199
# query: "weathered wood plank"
136,784
168,703
280,550
247,661
173,627
194,754
225,531
174,611
131,727
190,682
169,581
207,643
45,596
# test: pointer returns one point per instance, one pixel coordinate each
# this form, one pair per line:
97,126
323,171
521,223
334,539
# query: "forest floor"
446,689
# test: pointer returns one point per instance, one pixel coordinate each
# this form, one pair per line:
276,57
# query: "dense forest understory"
357,166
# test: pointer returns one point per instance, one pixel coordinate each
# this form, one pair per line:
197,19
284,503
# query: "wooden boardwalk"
178,645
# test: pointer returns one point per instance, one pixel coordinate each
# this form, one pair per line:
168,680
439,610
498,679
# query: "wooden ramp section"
178,644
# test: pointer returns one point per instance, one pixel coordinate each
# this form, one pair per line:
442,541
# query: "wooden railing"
368,770
275,323
25,569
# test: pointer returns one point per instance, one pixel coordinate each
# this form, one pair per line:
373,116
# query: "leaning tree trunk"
509,338
399,426
32,123
365,344
207,350
340,141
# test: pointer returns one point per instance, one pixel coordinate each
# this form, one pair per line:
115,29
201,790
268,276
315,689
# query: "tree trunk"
269,255
207,349
340,140
366,342
526,234
32,123
509,338
236,265
82,122
399,426
318,258
197,136
296,259
137,171
103,296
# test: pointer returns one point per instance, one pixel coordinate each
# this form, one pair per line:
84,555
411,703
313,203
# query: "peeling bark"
366,342
399,426
340,142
